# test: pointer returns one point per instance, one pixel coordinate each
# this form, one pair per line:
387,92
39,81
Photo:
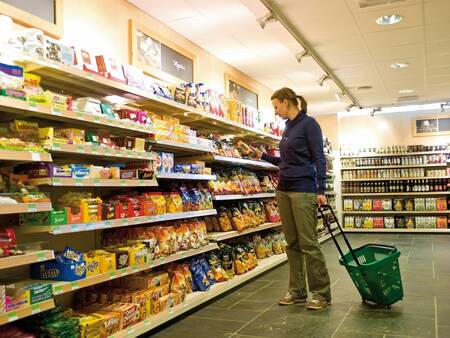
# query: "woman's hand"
321,199
257,154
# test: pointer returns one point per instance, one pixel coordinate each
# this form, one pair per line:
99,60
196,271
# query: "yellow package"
75,136
159,201
174,203
139,144
91,208
92,264
141,253
48,136
107,260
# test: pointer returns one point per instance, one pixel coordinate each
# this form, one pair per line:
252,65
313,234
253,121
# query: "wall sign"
158,57
241,93
432,125
43,14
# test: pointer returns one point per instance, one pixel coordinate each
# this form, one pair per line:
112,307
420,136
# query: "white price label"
35,156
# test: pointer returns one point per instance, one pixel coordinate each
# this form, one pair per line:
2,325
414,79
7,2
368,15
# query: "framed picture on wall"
159,57
44,14
241,92
438,125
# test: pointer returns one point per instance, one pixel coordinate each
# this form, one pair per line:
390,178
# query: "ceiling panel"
436,11
438,47
398,52
164,10
387,39
438,31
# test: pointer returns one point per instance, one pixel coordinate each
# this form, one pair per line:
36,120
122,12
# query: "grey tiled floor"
251,311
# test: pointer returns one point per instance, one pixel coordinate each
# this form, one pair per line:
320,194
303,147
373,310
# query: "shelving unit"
396,166
24,312
429,193
413,217
6,209
71,79
65,287
99,152
24,156
396,212
115,223
395,179
187,177
398,230
198,298
92,182
25,109
396,154
221,236
242,197
27,258
211,158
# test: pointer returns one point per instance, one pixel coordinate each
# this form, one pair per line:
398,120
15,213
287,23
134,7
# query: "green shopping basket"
374,268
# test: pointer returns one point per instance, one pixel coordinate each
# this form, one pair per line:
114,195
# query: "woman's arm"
271,159
315,143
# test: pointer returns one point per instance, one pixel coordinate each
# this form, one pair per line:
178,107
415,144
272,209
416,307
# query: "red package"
378,222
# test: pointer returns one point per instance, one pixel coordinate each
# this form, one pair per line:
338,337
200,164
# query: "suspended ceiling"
357,50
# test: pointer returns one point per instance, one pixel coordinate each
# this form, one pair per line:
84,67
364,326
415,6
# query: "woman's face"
281,108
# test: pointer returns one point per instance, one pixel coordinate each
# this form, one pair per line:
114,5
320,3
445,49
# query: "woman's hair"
288,94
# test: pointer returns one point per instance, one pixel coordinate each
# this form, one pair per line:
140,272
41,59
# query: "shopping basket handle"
325,207
383,246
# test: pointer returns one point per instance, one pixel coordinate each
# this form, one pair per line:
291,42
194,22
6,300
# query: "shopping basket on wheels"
374,268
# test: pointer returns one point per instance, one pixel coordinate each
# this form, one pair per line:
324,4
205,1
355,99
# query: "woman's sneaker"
289,299
317,304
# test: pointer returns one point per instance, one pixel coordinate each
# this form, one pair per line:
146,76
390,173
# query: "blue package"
207,270
79,170
199,276
69,265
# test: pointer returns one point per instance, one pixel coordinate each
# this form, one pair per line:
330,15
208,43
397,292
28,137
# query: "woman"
301,189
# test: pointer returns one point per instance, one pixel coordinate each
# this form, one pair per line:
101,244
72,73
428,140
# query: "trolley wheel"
364,301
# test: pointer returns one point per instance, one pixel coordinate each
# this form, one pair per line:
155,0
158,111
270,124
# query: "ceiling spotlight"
350,106
445,106
323,79
265,19
299,57
399,65
339,96
372,114
389,19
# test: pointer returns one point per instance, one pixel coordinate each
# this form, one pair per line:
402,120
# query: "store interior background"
99,28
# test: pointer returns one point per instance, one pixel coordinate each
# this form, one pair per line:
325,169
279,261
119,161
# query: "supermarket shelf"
398,154
24,156
189,148
241,197
396,166
412,231
27,258
74,81
396,212
89,182
64,287
47,112
24,207
100,152
236,161
395,179
220,236
426,193
181,176
69,228
197,298
326,235
12,316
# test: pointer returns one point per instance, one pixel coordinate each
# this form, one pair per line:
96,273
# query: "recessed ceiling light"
406,91
399,65
389,19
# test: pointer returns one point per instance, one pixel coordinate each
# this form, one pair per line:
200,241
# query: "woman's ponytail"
303,103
